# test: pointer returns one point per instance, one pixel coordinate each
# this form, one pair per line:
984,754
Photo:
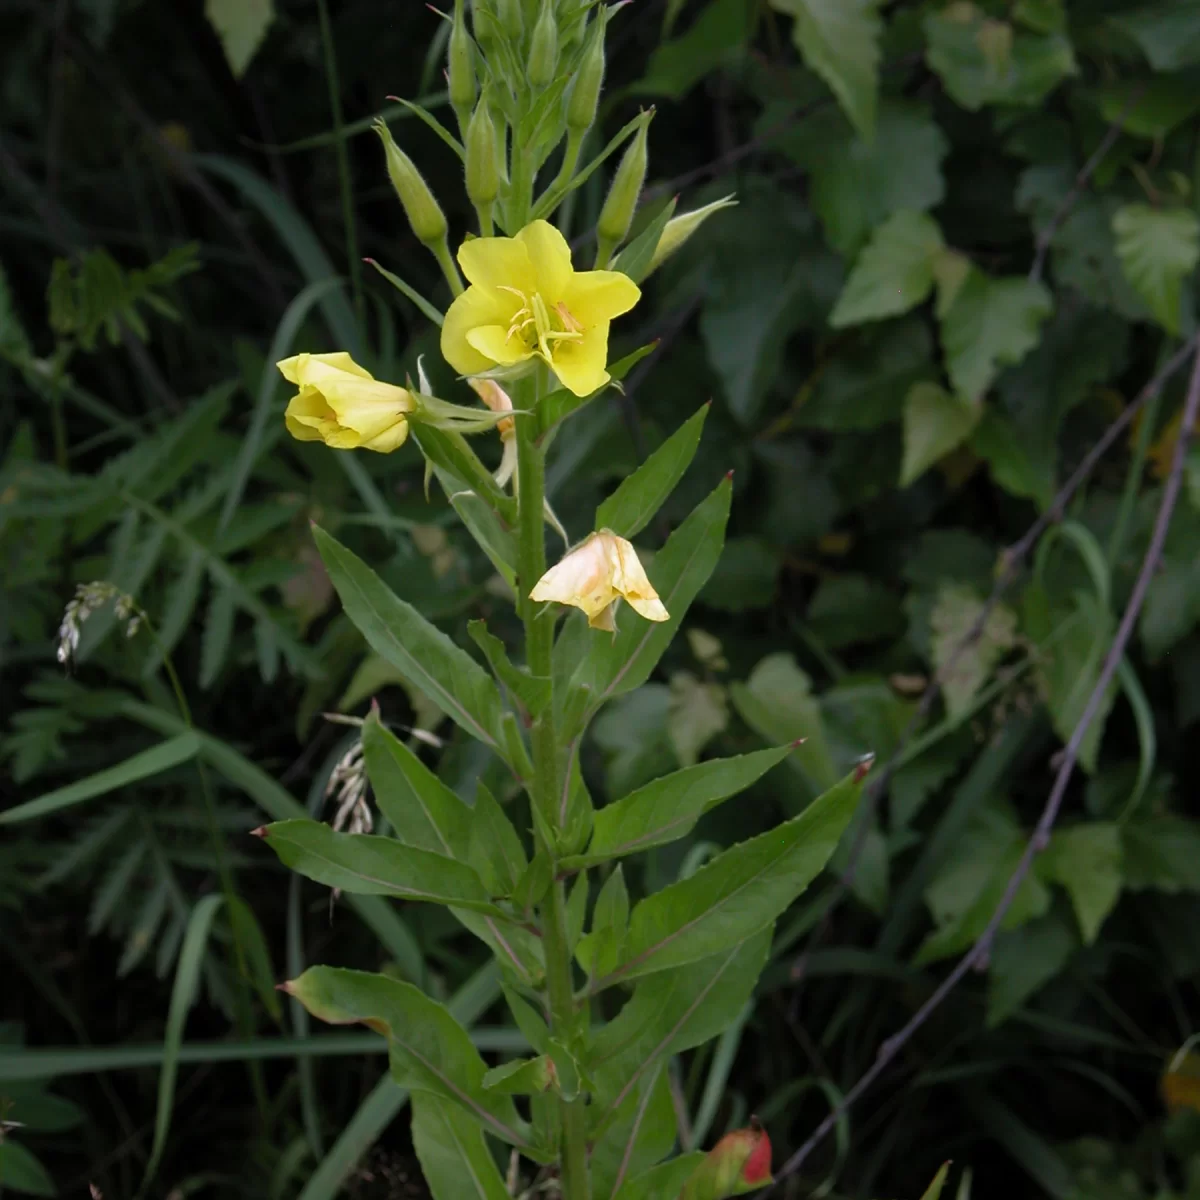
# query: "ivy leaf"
893,273
839,39
1168,33
1158,249
1086,860
241,25
984,61
990,323
698,712
935,422
856,183
955,611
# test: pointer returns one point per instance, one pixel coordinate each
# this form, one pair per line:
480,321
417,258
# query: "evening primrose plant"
605,991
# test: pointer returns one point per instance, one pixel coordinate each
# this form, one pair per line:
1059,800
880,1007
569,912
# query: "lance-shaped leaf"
739,892
398,633
521,1077
615,665
455,1160
664,1180
429,1050
632,506
669,1013
668,808
532,691
641,1133
366,865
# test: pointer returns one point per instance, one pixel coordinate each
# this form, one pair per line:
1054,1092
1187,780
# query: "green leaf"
671,1012
639,496
22,1171
664,1180
1024,960
1158,249
934,1190
1086,860
455,1160
397,632
955,611
636,258
669,807
376,866
935,422
856,183
1149,108
1161,853
718,34
241,25
739,892
599,951
699,711
893,273
1168,32
850,609
618,664
429,1050
521,1077
560,404
640,1133
990,323
179,749
778,704
532,691
839,39
984,61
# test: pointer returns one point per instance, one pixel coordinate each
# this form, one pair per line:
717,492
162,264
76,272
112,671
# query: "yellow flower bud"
617,214
422,209
595,575
589,78
543,48
680,228
343,406
483,179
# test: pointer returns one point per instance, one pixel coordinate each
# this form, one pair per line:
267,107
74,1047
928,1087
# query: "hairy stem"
539,647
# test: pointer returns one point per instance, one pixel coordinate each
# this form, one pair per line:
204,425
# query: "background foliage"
912,327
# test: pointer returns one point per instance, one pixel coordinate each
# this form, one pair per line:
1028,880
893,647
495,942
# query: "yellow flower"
598,573
343,406
526,300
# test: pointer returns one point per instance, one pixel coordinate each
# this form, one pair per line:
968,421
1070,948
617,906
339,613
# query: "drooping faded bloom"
527,301
343,405
595,575
499,401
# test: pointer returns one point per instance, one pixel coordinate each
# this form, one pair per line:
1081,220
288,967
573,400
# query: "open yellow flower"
343,406
526,301
598,573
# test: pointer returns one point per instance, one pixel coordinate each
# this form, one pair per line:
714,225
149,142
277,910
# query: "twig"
1042,245
1012,559
978,954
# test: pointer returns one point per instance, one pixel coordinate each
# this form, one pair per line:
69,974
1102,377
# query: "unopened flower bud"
617,214
679,229
508,13
589,78
740,1162
483,179
422,209
543,48
460,67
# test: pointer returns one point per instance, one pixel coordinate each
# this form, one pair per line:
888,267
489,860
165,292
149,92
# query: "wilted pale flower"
498,400
598,573
526,300
344,406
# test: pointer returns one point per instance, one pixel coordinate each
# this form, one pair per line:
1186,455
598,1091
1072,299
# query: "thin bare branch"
978,954
1011,560
1042,245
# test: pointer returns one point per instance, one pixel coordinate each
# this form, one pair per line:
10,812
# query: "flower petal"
476,306
629,578
296,369
582,578
308,417
390,439
596,296
551,259
579,364
494,344
494,262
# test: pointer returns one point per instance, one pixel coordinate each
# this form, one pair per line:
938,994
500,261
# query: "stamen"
568,320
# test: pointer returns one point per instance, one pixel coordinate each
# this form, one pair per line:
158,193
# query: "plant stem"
539,648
